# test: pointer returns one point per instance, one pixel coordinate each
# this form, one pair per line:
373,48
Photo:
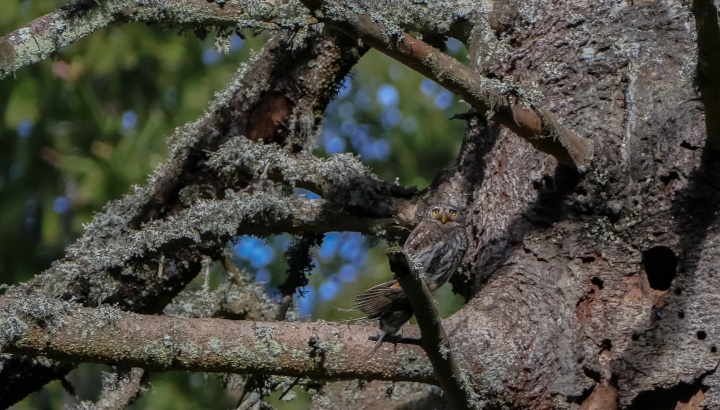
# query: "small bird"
435,247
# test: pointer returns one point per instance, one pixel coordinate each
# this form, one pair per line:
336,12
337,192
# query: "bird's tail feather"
378,299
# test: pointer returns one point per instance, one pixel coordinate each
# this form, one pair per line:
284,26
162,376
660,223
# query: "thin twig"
300,264
120,389
434,340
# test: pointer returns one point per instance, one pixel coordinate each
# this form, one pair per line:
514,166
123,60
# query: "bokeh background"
78,130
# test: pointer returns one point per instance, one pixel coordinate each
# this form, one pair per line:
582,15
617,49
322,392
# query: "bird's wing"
423,236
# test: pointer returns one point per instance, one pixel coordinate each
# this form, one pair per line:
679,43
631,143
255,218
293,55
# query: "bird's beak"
444,217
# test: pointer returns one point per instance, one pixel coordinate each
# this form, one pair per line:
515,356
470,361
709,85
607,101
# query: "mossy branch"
119,389
38,325
148,265
44,36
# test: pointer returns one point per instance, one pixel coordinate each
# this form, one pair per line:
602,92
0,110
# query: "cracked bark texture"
591,291
601,288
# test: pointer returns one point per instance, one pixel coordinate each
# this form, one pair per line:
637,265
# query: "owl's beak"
444,218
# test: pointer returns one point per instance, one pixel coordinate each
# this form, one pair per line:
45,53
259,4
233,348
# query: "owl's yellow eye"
435,212
452,213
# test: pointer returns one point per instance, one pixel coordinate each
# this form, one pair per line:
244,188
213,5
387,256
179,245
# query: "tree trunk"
601,286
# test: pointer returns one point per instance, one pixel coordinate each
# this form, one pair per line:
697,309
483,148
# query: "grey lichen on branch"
240,296
342,178
434,341
302,170
37,325
117,259
258,213
120,389
45,35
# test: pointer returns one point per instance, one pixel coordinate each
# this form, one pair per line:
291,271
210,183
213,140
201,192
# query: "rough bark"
601,287
584,291
321,351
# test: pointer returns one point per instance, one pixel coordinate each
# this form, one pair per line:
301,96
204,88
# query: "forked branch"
503,102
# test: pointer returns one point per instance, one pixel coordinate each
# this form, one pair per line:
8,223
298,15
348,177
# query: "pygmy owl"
435,247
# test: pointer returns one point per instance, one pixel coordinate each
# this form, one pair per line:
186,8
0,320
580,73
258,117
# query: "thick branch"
45,35
504,103
434,340
218,220
63,330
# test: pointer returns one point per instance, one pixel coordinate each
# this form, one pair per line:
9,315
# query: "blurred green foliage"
79,129
88,124
417,126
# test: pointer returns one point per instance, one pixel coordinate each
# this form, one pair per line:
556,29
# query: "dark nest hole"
660,265
667,399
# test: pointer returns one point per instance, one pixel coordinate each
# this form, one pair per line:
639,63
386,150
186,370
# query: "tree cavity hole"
660,264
